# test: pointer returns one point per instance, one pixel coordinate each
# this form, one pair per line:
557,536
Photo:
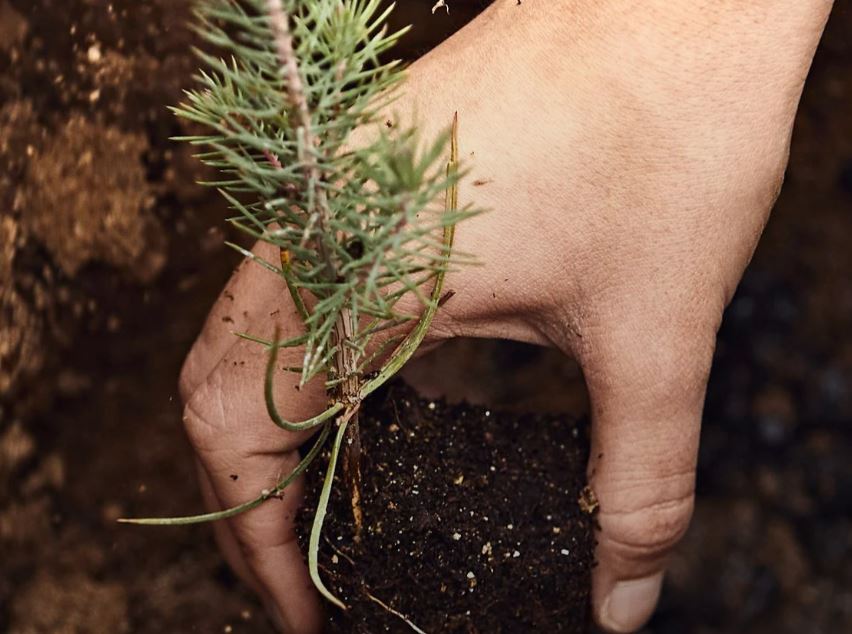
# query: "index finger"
250,295
244,454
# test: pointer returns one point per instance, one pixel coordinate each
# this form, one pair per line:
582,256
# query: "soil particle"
471,522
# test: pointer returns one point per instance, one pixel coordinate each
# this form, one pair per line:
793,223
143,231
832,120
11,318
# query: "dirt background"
110,256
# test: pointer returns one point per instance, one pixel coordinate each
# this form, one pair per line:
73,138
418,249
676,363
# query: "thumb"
647,393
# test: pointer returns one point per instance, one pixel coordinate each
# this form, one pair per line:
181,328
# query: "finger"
243,302
230,548
224,535
646,385
243,453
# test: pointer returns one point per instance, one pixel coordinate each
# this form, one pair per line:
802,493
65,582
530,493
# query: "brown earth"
474,521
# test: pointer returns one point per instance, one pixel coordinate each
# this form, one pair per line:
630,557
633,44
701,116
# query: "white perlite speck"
94,54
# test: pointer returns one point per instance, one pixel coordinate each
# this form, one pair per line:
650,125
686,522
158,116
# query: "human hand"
629,158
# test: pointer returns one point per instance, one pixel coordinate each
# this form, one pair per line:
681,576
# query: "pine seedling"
356,228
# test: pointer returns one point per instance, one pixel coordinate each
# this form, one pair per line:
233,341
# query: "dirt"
90,423
88,200
88,178
62,613
472,522
109,255
21,345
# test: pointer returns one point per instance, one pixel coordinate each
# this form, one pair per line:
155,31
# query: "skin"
632,152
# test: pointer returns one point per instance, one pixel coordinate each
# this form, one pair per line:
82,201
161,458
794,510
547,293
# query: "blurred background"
110,256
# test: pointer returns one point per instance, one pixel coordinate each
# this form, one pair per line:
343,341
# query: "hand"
629,156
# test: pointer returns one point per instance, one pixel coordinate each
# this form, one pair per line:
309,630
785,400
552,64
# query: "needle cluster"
355,226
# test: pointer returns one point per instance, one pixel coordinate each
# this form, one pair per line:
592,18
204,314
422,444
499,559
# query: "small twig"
388,608
397,420
446,297
439,4
338,551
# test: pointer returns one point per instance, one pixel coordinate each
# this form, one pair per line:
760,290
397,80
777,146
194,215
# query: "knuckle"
249,543
191,377
222,425
647,532
187,380
256,544
203,421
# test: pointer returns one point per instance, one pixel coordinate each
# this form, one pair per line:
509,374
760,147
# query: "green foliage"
355,226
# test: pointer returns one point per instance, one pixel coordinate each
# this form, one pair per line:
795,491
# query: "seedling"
355,226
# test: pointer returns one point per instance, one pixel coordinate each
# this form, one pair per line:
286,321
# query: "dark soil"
472,522
91,341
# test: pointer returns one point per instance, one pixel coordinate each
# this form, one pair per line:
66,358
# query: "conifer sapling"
355,227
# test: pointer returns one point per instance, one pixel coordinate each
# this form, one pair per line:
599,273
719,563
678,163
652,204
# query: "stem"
347,390
279,22
351,390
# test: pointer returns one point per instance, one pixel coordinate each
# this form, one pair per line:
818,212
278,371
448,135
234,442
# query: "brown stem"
279,22
348,392
352,471
320,215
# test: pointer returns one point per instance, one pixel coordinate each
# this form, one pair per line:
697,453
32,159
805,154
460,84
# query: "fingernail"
631,603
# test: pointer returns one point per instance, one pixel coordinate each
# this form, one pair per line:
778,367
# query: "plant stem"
319,212
347,391
390,610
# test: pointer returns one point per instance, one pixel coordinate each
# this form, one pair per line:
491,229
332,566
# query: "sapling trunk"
357,229
347,392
